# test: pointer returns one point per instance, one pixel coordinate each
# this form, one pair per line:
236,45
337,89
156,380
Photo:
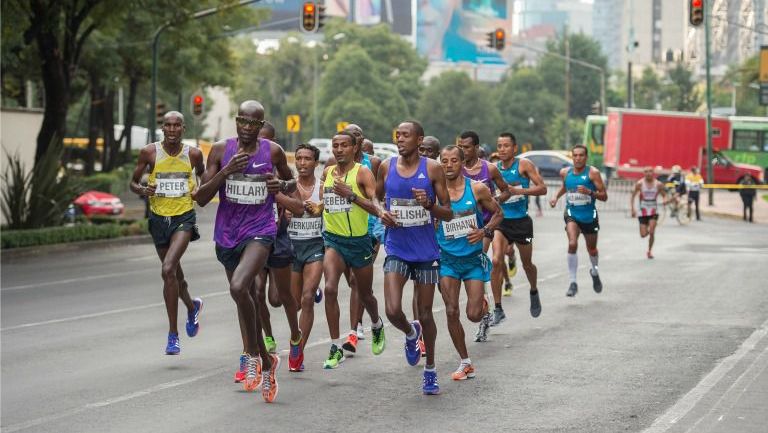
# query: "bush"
55,235
114,182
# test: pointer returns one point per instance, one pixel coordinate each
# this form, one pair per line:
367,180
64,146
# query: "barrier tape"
724,186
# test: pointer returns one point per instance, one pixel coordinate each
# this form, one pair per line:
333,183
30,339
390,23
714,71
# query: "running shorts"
586,228
517,230
644,220
419,272
473,267
356,251
162,228
307,251
230,257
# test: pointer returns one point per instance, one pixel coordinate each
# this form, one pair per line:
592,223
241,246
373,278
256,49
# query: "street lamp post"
156,37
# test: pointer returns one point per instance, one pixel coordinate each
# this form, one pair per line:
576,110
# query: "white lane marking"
689,400
73,280
100,314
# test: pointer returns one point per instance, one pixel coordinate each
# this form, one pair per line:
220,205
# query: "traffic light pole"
710,174
193,16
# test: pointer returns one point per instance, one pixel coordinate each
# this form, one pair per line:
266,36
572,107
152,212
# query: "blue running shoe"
318,295
412,350
429,384
193,318
173,347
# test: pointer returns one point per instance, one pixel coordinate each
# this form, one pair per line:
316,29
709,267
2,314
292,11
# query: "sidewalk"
728,204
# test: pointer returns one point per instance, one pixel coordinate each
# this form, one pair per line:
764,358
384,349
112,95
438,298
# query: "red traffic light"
696,12
499,34
198,100
309,8
309,18
697,3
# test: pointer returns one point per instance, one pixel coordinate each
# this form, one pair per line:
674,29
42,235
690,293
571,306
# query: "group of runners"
436,212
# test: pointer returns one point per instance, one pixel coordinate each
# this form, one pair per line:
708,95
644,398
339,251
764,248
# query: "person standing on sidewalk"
748,195
174,168
693,183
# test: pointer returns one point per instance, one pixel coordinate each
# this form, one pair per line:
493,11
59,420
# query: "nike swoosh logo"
367,257
258,165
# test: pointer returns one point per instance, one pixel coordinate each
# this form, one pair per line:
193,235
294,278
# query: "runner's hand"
341,188
388,219
149,190
634,213
311,208
475,236
236,164
584,190
421,197
552,202
274,185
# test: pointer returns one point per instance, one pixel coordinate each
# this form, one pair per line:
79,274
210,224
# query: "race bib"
246,188
578,199
335,203
171,184
408,212
305,227
459,226
275,213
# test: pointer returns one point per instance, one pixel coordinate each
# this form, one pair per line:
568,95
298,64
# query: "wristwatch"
488,232
352,198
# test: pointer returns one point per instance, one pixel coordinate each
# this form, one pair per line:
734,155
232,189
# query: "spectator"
748,195
694,182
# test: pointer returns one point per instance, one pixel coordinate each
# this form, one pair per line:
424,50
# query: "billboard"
455,30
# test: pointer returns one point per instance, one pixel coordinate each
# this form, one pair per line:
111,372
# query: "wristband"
488,232
352,198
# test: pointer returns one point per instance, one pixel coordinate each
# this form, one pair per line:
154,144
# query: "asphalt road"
672,344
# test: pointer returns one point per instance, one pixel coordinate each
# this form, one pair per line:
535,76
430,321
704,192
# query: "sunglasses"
244,121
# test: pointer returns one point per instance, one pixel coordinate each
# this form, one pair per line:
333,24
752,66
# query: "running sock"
337,342
466,361
498,306
377,325
430,368
593,260
412,335
534,291
573,264
297,341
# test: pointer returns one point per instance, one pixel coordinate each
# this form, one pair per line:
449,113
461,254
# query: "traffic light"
309,17
491,39
159,113
320,16
499,35
197,105
696,12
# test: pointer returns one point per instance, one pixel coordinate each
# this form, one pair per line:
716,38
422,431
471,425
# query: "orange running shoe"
240,373
269,380
464,372
422,347
252,373
351,344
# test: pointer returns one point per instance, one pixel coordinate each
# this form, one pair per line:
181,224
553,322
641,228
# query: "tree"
681,93
555,131
527,107
648,90
453,102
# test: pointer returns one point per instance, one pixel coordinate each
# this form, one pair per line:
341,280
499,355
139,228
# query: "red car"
99,203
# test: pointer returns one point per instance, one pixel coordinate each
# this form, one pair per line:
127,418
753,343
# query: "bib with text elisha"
305,227
171,184
576,198
335,203
460,226
246,188
408,212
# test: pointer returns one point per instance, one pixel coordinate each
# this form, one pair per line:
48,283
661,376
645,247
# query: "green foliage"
517,107
114,182
36,198
555,132
648,90
681,94
453,103
56,235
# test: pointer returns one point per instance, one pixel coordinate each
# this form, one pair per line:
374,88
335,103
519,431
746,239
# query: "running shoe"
193,317
464,372
572,290
422,347
512,268
507,291
378,341
270,344
482,330
318,295
535,304
412,352
252,373
335,357
269,380
649,255
498,317
240,373
350,345
429,383
295,356
360,331
596,283
173,347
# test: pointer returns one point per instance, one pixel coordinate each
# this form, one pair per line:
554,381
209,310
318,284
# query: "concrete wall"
18,135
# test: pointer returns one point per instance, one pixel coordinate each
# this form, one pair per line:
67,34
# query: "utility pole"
707,26
631,44
567,141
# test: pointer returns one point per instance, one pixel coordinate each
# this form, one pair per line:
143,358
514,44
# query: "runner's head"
344,147
469,142
368,146
249,120
579,155
506,146
452,159
306,157
267,131
410,135
694,170
173,127
430,147
648,173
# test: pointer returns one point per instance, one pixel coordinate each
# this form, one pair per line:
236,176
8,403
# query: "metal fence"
619,192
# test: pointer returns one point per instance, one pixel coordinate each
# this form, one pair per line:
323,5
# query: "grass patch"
81,232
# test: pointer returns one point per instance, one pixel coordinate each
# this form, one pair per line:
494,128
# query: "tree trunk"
56,85
94,123
111,146
130,115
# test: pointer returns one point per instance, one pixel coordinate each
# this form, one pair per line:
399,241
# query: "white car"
385,150
324,145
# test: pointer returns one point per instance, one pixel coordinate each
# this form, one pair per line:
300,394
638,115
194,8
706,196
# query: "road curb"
16,253
725,215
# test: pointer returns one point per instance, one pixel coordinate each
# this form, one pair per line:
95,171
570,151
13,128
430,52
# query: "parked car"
549,162
99,203
385,150
324,144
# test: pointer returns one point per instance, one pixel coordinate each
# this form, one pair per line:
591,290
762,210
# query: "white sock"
377,325
430,368
412,335
593,260
466,361
573,264
337,342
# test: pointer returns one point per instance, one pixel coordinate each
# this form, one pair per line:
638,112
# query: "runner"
461,251
583,186
368,147
412,186
649,189
517,226
306,233
345,207
174,168
241,170
430,147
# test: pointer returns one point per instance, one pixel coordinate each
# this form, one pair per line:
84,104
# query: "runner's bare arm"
529,169
487,202
196,159
317,208
367,184
291,201
146,159
284,182
501,185
387,218
635,191
442,208
662,191
214,175
561,191
601,193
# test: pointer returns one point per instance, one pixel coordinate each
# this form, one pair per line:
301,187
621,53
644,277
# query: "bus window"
598,132
748,140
